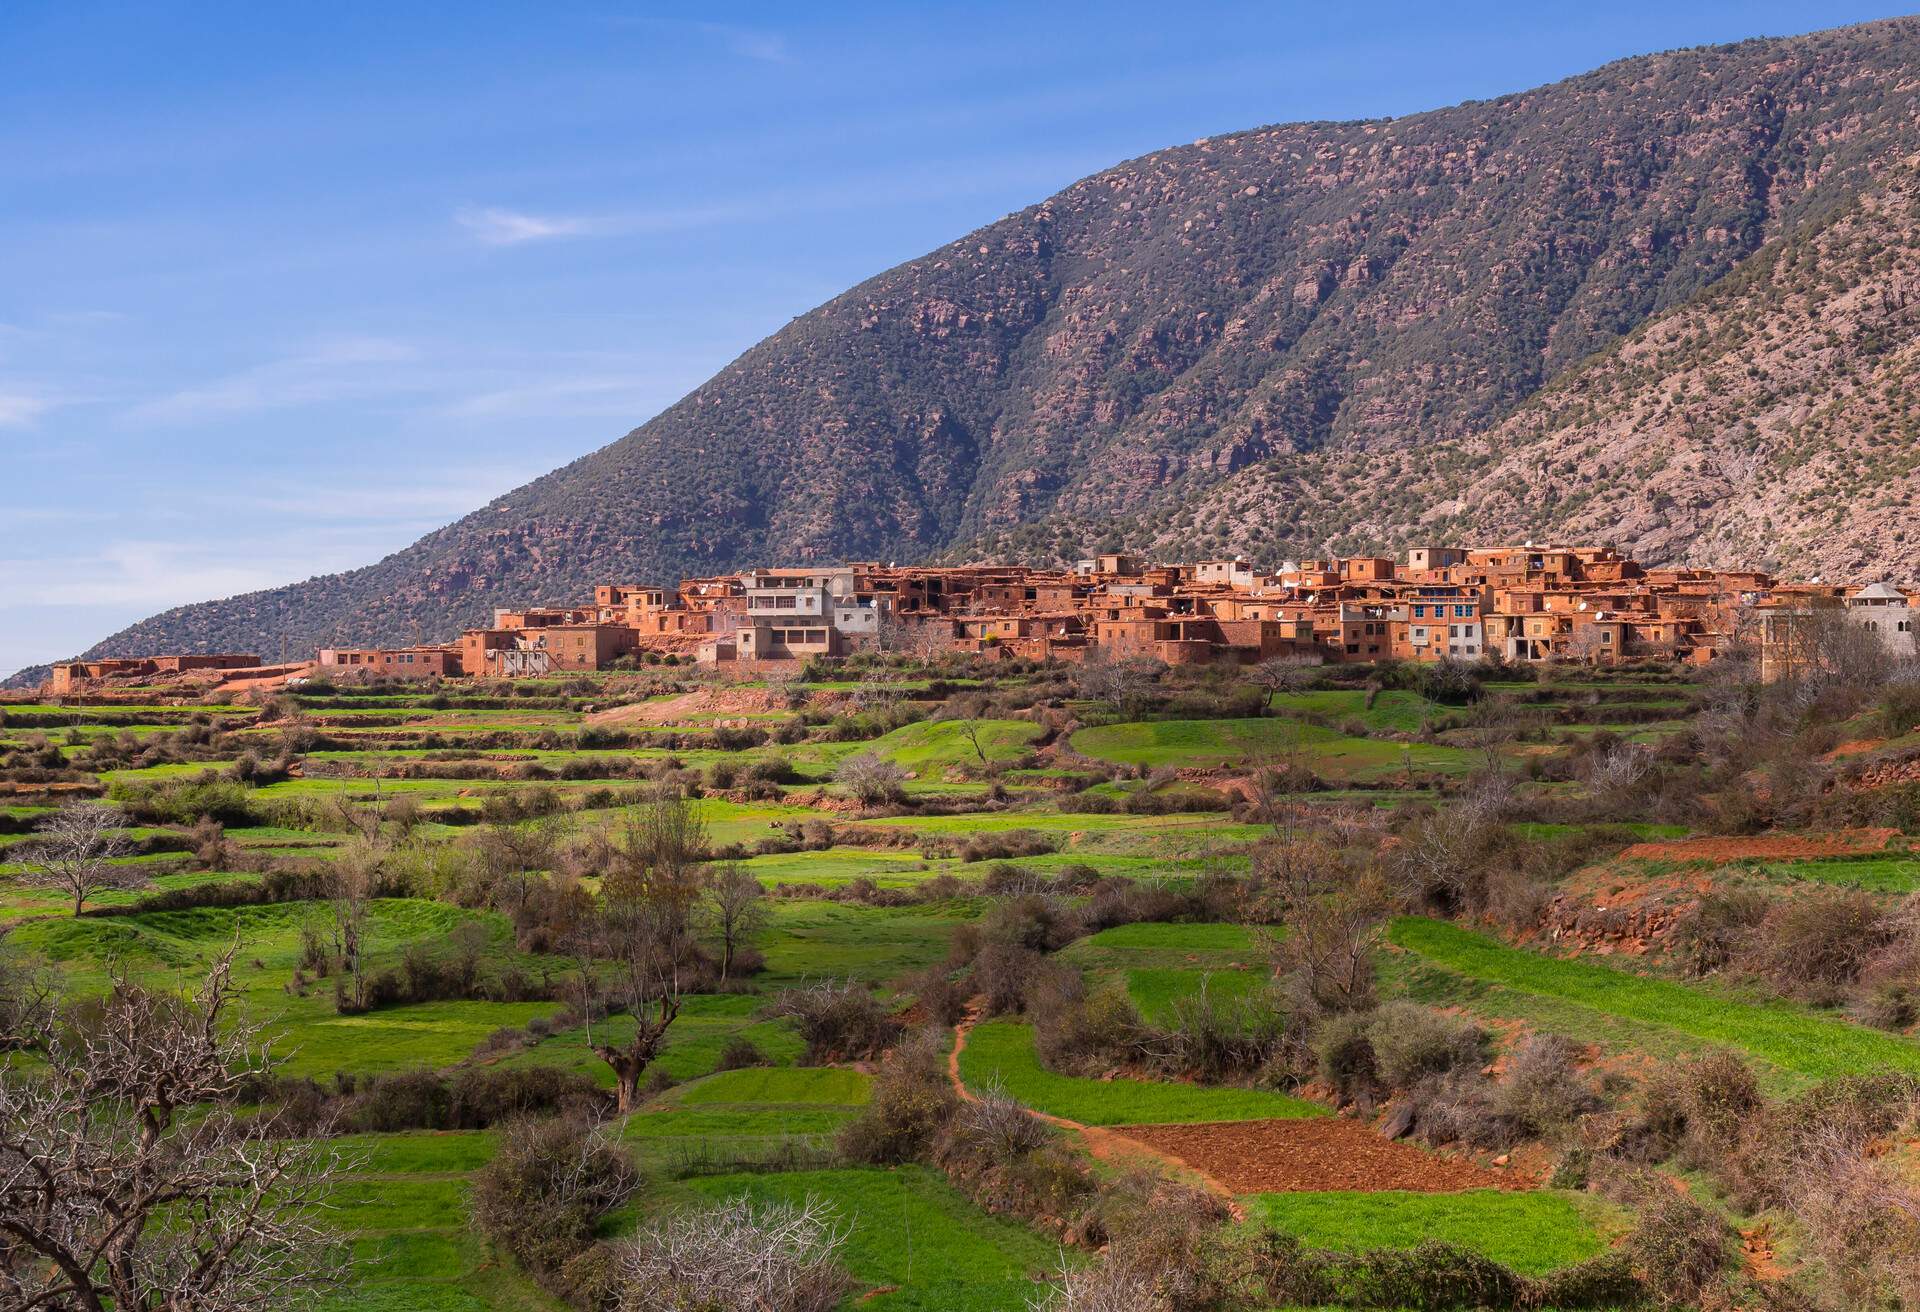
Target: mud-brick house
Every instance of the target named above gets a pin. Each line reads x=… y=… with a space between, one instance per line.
x=1437 y=622
x=68 y=674
x=391 y=662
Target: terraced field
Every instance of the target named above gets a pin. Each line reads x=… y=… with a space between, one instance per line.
x=489 y=830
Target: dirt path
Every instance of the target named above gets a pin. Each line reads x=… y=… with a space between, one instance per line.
x=1105 y=1145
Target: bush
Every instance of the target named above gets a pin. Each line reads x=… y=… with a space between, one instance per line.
x=1459 y=1107
x=874 y=780
x=1089 y=1036
x=1016 y=979
x=473 y=1098
x=1215 y=1038
x=740 y=1052
x=999 y=1127
x=913 y=1103
x=941 y=997
x=840 y=1021
x=1041 y=924
x=1543 y=1092
x=1719 y=928
x=737 y=1257
x=1106 y=1286
x=1345 y=1055
x=1817 y=943
x=1168 y=1235
x=1679 y=1247
x=547 y=1187
x=1900 y=708
x=1431 y=1275
x=1606 y=1281
x=1411 y=1042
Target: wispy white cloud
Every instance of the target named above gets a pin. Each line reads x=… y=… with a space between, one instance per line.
x=749 y=42
x=330 y=370
x=55 y=605
x=145 y=573
x=19 y=407
x=610 y=394
x=744 y=42
x=492 y=226
x=500 y=227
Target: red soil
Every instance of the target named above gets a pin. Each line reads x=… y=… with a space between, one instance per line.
x=1853 y=747
x=1765 y=847
x=1230 y=1158
x=705 y=703
x=1323 y=1152
x=1103 y=1144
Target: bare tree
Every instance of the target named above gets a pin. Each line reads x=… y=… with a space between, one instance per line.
x=654 y=1003
x=349 y=933
x=736 y=907
x=26 y=1004
x=1333 y=916
x=965 y=713
x=643 y=930
x=1279 y=674
x=513 y=854
x=75 y=854
x=662 y=845
x=355 y=818
x=1122 y=686
x=127 y=1181
x=926 y=640
x=1615 y=772
x=737 y=1257
x=871 y=778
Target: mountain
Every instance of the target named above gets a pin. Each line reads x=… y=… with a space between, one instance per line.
x=1664 y=303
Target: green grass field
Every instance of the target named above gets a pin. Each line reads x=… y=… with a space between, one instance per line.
x=1001 y=1053
x=1793 y=1039
x=1532 y=1232
x=1196 y=744
x=768 y=1130
x=403 y=1209
x=909 y=1233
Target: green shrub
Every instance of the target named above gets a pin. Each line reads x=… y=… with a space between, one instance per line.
x=1430 y=1276
x=739 y=1053
x=839 y=1020
x=912 y=1104
x=542 y=1195
x=1411 y=1042
x=1345 y=1054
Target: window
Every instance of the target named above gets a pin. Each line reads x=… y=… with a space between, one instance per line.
x=1353 y=649
x=1606 y=637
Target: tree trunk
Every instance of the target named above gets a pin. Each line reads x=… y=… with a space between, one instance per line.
x=627 y=1069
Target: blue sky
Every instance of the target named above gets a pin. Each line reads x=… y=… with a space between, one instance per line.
x=284 y=286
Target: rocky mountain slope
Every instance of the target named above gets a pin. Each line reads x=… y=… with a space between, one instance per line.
x=1664 y=303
